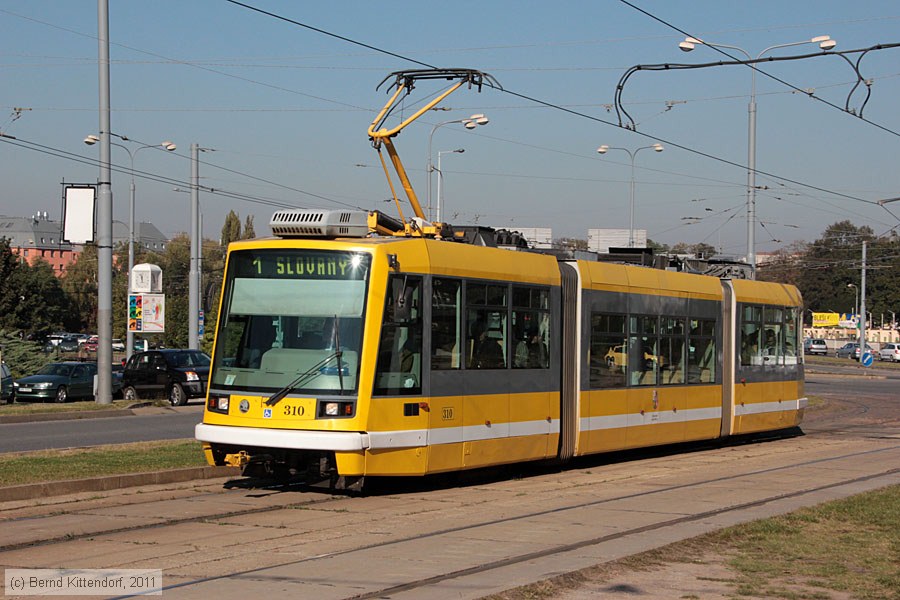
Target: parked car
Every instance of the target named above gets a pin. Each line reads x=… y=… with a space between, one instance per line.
x=118 y=345
x=90 y=345
x=68 y=344
x=58 y=382
x=890 y=352
x=815 y=346
x=179 y=374
x=851 y=350
x=6 y=384
x=118 y=370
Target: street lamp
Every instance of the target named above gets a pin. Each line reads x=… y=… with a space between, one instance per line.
x=856 y=301
x=657 y=147
x=470 y=123
x=169 y=147
x=825 y=43
x=440 y=205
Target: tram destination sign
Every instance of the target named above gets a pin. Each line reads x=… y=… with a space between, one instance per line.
x=299 y=264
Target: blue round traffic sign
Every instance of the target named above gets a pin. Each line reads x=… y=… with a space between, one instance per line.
x=867 y=359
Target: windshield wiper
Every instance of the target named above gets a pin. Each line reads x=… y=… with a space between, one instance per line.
x=339 y=352
x=312 y=372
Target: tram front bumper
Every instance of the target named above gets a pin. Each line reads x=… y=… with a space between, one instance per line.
x=337 y=441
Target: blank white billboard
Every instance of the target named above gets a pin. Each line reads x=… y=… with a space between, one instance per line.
x=78 y=215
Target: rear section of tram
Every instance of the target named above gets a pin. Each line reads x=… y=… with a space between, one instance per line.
x=675 y=357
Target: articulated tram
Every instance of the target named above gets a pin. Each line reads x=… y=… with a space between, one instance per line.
x=354 y=344
x=347 y=357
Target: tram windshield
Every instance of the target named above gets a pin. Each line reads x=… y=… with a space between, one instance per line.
x=287 y=313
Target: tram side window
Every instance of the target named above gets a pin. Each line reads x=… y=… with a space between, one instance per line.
x=399 y=367
x=671 y=355
x=643 y=350
x=791 y=328
x=609 y=349
x=486 y=315
x=752 y=341
x=702 y=351
x=446 y=323
x=773 y=340
x=531 y=327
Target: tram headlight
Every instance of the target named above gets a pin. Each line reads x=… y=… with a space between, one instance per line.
x=218 y=404
x=336 y=409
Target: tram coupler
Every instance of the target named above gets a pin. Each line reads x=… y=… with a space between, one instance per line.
x=239 y=459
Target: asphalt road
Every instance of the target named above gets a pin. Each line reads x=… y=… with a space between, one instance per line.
x=20 y=437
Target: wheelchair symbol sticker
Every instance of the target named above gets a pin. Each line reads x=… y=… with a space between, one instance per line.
x=267 y=413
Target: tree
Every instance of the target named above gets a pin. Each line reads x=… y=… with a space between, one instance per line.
x=831 y=263
x=9 y=297
x=175 y=264
x=80 y=285
x=699 y=250
x=249 y=231
x=823 y=269
x=23 y=357
x=43 y=305
x=786 y=266
x=572 y=243
x=32 y=299
x=231 y=230
x=213 y=267
x=657 y=247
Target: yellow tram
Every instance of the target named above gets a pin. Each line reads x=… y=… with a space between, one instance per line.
x=353 y=345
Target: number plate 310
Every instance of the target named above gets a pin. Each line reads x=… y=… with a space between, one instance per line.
x=295 y=409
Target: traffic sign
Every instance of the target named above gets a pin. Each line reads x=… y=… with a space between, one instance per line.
x=867 y=359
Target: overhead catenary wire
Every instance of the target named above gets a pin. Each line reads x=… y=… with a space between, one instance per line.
x=396 y=55
x=750 y=63
x=552 y=105
x=58 y=153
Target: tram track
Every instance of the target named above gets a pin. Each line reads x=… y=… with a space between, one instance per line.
x=319 y=502
x=563 y=548
x=471 y=527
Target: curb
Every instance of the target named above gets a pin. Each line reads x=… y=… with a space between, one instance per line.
x=110 y=482
x=846 y=375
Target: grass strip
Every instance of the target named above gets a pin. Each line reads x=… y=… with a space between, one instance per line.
x=849 y=546
x=61 y=465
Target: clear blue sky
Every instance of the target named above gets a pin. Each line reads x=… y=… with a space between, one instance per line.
x=290 y=107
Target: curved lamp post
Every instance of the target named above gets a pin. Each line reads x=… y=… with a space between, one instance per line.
x=169 y=147
x=825 y=43
x=657 y=147
x=469 y=123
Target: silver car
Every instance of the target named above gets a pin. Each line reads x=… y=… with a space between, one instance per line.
x=851 y=350
x=815 y=346
x=890 y=352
